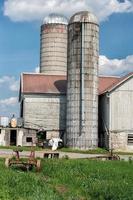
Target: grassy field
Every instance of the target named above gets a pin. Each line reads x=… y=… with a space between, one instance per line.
x=69 y=180
x=91 y=151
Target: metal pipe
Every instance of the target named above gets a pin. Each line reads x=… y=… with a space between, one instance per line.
x=82 y=98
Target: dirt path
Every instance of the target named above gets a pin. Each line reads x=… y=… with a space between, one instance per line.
x=40 y=154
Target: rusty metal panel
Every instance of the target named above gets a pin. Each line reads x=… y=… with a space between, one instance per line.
x=40 y=84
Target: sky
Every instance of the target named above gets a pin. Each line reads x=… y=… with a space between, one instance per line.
x=20 y=22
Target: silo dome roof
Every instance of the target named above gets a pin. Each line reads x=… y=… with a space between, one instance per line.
x=84 y=16
x=55 y=18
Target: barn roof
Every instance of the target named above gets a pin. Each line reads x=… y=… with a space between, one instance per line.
x=33 y=83
x=108 y=84
x=40 y=83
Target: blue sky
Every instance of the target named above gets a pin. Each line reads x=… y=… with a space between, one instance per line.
x=20 y=39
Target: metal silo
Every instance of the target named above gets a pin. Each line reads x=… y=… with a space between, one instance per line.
x=53 y=45
x=82 y=86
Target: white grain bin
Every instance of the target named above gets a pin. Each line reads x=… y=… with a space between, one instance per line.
x=20 y=122
x=4 y=121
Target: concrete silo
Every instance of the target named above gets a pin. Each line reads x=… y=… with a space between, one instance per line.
x=82 y=86
x=53 y=45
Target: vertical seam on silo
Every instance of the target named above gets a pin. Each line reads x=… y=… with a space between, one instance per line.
x=82 y=79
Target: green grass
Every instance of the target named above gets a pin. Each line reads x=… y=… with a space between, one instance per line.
x=22 y=148
x=69 y=180
x=91 y=151
x=124 y=153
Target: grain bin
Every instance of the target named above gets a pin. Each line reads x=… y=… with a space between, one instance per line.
x=53 y=45
x=82 y=86
x=4 y=121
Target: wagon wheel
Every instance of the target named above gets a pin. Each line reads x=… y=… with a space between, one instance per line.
x=38 y=165
x=116 y=157
x=7 y=162
x=28 y=167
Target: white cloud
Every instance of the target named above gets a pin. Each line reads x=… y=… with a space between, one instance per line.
x=115 y=66
x=5 y=79
x=14 y=86
x=9 y=101
x=10 y=81
x=26 y=10
x=37 y=69
x=9 y=106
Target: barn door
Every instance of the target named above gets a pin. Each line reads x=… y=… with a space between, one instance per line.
x=13 y=137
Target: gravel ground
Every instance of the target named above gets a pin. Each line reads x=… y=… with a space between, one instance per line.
x=40 y=154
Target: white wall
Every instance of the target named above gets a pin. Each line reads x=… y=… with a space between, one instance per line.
x=20 y=137
x=121 y=116
x=117 y=112
x=47 y=111
x=2 y=138
x=121 y=102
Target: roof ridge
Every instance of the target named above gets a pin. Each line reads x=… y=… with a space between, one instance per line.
x=117 y=83
x=107 y=76
x=41 y=74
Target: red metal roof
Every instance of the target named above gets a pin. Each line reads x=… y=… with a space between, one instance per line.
x=106 y=83
x=40 y=83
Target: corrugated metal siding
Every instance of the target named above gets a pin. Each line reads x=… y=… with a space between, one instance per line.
x=122 y=107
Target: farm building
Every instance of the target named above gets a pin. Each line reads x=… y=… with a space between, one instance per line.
x=13 y=133
x=116 y=112
x=17 y=136
x=43 y=105
x=62 y=100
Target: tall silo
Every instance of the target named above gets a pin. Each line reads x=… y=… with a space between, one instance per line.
x=82 y=86
x=53 y=45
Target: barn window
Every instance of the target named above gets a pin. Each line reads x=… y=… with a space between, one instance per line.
x=29 y=139
x=130 y=139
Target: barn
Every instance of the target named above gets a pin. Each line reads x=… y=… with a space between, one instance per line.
x=43 y=105
x=62 y=100
x=116 y=112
